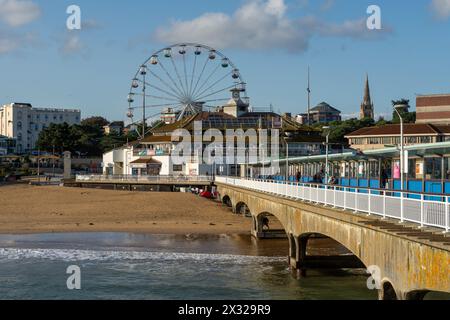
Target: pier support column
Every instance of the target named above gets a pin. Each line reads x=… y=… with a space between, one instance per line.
x=292 y=251
x=387 y=292
x=413 y=296
x=297 y=259
x=254 y=227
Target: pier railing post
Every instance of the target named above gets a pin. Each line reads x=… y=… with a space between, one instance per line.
x=422 y=212
x=402 y=207
x=334 y=194
x=345 y=198
x=447 y=218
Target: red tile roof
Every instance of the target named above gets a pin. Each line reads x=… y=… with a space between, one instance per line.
x=409 y=129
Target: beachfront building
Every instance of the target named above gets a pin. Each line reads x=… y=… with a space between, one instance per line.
x=23 y=122
x=153 y=154
x=428 y=168
x=433 y=109
x=322 y=113
x=379 y=137
x=169 y=115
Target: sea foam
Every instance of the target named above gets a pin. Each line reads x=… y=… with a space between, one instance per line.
x=93 y=255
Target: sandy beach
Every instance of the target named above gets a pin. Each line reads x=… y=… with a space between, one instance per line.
x=29 y=209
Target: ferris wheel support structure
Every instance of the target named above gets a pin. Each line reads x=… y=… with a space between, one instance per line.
x=182 y=83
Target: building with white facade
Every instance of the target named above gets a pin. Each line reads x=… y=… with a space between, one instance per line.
x=152 y=156
x=24 y=123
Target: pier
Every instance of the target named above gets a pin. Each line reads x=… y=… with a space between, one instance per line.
x=412 y=256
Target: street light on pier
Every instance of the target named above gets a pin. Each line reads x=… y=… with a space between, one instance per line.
x=402 y=158
x=327 y=143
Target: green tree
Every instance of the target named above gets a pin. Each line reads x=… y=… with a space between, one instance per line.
x=408 y=117
x=58 y=136
x=112 y=141
x=99 y=122
x=88 y=139
x=343 y=128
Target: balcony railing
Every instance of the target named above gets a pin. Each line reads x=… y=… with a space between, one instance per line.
x=142 y=179
x=424 y=209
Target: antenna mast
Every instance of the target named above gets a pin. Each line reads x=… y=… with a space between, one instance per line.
x=309 y=98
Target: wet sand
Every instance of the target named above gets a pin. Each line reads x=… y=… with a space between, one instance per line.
x=29 y=209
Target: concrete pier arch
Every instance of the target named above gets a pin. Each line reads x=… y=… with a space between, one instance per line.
x=267 y=226
x=408 y=265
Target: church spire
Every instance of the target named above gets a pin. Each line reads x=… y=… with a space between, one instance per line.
x=367 y=108
x=367 y=99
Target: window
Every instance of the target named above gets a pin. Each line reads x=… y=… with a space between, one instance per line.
x=19 y=125
x=374 y=169
x=412 y=168
x=425 y=140
x=19 y=115
x=447 y=168
x=433 y=168
x=177 y=168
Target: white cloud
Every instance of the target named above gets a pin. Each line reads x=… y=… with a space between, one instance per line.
x=441 y=8
x=72 y=44
x=327 y=5
x=259 y=24
x=16 y=13
x=10 y=42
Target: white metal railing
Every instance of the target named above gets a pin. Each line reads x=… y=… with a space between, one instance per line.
x=142 y=179
x=424 y=209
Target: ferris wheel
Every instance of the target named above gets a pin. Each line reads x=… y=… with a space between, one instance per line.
x=183 y=80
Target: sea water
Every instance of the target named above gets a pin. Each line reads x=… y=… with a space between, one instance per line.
x=140 y=266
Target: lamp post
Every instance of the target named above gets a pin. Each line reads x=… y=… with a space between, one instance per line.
x=143 y=71
x=287 y=158
x=402 y=160
x=39 y=166
x=327 y=143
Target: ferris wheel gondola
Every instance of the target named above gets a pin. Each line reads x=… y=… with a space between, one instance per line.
x=188 y=77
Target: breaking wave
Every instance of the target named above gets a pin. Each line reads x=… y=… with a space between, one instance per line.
x=91 y=255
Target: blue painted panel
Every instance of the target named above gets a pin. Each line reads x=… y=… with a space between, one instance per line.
x=364 y=183
x=396 y=186
x=447 y=188
x=353 y=183
x=415 y=186
x=375 y=184
x=345 y=182
x=433 y=187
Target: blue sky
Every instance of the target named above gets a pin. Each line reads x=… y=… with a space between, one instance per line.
x=271 y=41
